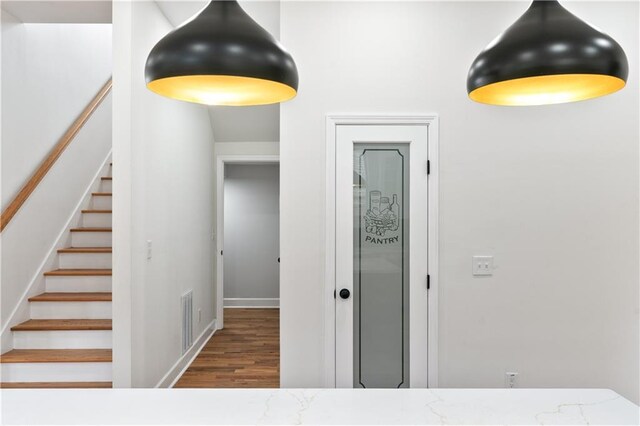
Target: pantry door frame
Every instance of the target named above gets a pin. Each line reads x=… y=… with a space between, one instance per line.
x=332 y=123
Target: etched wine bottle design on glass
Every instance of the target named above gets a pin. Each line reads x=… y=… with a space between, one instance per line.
x=395 y=209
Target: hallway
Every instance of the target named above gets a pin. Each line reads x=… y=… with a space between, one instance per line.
x=245 y=354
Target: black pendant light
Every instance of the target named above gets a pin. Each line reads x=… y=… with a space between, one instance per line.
x=222 y=57
x=548 y=56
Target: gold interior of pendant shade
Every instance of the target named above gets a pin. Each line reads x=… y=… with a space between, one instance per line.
x=222 y=90
x=548 y=89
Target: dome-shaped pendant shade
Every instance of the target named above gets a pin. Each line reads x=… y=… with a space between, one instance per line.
x=222 y=57
x=548 y=56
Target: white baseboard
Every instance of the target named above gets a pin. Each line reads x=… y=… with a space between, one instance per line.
x=245 y=302
x=178 y=369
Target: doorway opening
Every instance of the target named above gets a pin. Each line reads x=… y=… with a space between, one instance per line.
x=244 y=352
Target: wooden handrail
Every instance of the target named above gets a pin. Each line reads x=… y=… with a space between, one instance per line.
x=53 y=156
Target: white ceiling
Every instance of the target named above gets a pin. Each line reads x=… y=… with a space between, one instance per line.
x=60 y=12
x=178 y=11
x=237 y=124
x=265 y=12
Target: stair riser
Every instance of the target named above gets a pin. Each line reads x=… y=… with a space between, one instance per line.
x=54 y=284
x=91 y=239
x=70 y=310
x=106 y=185
x=85 y=260
x=96 y=220
x=101 y=202
x=55 y=385
x=62 y=339
x=57 y=372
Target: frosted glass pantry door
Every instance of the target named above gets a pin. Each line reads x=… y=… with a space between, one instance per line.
x=381 y=256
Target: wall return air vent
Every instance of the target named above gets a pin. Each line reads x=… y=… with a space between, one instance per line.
x=187 y=320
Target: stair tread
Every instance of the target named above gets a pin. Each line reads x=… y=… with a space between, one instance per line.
x=63 y=324
x=72 y=297
x=96 y=211
x=102 y=194
x=55 y=385
x=56 y=355
x=91 y=229
x=85 y=250
x=78 y=272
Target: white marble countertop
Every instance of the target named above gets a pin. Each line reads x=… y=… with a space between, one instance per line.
x=316 y=406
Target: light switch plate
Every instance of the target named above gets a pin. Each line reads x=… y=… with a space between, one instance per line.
x=482 y=265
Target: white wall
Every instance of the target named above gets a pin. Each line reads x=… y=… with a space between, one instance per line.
x=246 y=124
x=50 y=72
x=251 y=233
x=165 y=149
x=60 y=11
x=551 y=192
x=247 y=148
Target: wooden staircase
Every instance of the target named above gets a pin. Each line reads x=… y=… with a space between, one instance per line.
x=67 y=341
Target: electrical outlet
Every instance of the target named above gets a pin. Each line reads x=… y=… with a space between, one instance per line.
x=149 y=249
x=482 y=265
x=510 y=379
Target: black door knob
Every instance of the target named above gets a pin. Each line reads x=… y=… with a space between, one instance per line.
x=345 y=293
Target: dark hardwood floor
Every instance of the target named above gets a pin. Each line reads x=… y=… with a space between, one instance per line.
x=245 y=354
